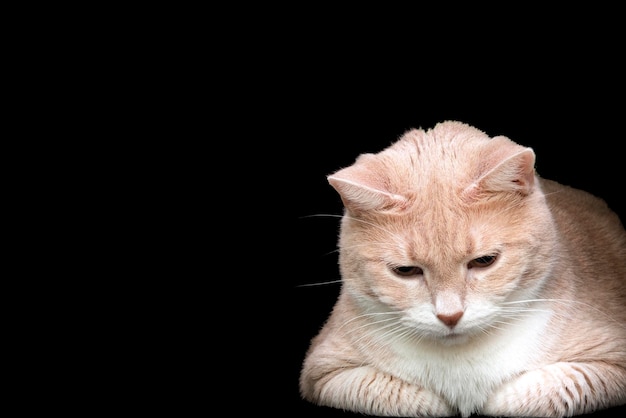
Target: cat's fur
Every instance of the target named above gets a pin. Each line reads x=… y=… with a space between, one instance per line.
x=541 y=331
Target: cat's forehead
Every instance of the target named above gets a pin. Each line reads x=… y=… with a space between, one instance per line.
x=443 y=154
x=451 y=165
x=446 y=139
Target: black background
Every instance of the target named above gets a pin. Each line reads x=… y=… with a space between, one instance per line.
x=303 y=91
x=576 y=133
x=306 y=91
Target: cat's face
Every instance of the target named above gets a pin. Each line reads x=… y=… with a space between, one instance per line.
x=453 y=255
x=432 y=266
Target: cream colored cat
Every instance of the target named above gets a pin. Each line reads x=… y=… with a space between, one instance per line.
x=470 y=285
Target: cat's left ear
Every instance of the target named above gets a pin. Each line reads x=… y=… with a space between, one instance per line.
x=504 y=167
x=362 y=188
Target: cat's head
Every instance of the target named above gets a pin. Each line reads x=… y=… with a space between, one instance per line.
x=445 y=227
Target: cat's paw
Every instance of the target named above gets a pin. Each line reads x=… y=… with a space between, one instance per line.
x=556 y=390
x=432 y=405
x=411 y=401
x=504 y=401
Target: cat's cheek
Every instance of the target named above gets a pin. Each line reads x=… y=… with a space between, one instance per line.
x=478 y=316
x=401 y=294
x=492 y=285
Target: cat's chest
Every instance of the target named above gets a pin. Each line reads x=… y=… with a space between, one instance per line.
x=469 y=372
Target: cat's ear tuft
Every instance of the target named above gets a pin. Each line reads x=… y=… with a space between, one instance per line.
x=504 y=167
x=362 y=189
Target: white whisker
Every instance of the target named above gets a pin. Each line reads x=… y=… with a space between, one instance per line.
x=320 y=283
x=566 y=302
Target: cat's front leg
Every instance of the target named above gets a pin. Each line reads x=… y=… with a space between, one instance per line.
x=366 y=390
x=560 y=389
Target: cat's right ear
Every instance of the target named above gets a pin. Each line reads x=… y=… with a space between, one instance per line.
x=362 y=189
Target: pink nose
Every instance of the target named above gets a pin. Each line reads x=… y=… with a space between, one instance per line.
x=450 y=320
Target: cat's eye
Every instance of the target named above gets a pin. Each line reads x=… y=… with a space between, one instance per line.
x=483 y=261
x=407 y=271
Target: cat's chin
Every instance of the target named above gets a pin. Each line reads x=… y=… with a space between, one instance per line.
x=453 y=338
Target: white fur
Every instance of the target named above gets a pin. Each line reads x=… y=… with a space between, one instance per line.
x=466 y=374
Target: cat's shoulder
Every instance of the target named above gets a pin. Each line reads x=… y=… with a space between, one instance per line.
x=567 y=203
x=561 y=194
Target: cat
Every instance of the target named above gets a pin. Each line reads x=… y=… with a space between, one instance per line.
x=470 y=285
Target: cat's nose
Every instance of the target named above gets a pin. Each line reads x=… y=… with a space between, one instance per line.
x=450 y=320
